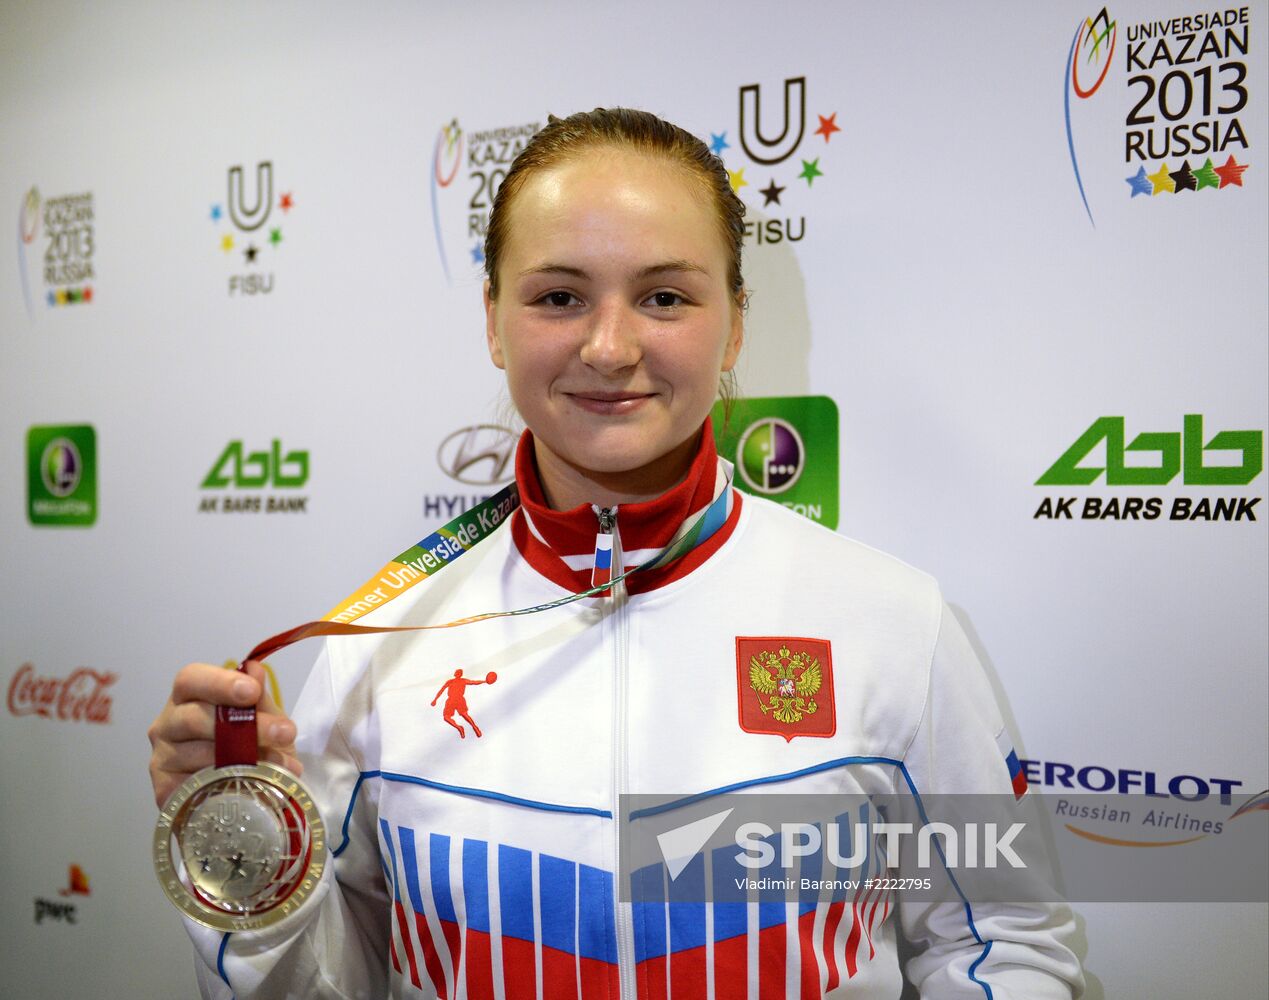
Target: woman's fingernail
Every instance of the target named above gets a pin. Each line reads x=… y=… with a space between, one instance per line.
x=243 y=688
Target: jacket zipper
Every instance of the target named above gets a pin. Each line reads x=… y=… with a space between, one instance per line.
x=621 y=665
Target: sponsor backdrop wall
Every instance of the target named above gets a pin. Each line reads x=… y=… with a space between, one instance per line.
x=1008 y=322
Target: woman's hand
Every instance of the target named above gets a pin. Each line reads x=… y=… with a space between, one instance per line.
x=182 y=737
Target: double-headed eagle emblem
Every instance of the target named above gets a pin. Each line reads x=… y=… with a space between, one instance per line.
x=789 y=682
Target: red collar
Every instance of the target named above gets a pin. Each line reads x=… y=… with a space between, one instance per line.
x=561 y=544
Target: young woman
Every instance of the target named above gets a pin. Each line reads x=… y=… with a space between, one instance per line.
x=474 y=849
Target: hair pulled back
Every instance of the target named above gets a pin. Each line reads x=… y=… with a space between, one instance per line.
x=622 y=128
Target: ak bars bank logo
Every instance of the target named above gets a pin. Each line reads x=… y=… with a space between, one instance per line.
x=249 y=227
x=1230 y=459
x=1184 y=104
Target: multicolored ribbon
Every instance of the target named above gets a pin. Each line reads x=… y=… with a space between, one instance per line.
x=236 y=727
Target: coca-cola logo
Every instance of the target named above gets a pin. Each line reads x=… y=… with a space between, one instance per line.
x=81 y=697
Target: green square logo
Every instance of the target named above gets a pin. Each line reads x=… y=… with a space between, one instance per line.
x=785 y=449
x=61 y=480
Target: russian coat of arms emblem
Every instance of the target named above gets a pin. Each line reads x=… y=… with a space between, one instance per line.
x=785 y=686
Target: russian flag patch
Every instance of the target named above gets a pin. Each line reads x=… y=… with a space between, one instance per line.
x=602 y=572
x=1017 y=776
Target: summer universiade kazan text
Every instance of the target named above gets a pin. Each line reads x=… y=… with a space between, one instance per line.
x=439 y=551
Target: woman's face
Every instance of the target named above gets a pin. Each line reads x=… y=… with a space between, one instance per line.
x=613 y=320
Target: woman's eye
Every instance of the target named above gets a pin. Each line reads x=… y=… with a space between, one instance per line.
x=559 y=300
x=666 y=300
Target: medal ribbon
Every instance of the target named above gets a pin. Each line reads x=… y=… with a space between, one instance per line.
x=236 y=727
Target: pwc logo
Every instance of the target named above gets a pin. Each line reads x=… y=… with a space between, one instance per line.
x=57 y=911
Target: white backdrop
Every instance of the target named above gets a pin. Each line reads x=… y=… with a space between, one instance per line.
x=968 y=309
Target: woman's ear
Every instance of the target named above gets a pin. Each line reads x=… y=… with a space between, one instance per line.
x=735 y=339
x=491 y=332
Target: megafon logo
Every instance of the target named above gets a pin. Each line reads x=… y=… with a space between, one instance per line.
x=249 y=226
x=771 y=456
x=62 y=475
x=784 y=448
x=771 y=143
x=1164 y=456
x=487 y=154
x=256 y=470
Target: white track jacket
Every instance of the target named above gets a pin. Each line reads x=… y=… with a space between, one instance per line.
x=482 y=864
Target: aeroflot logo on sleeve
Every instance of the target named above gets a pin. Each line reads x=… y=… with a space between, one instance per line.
x=1156 y=458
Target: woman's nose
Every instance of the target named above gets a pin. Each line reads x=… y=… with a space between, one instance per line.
x=612 y=340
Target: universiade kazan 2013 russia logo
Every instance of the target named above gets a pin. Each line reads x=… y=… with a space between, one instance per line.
x=460 y=215
x=1185 y=96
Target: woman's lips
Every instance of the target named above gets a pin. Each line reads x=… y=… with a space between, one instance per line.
x=609 y=403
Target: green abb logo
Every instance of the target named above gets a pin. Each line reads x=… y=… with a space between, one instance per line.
x=1182 y=452
x=257 y=469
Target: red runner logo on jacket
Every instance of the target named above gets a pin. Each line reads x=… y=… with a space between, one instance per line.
x=785 y=686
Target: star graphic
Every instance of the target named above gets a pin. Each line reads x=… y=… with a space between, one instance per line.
x=737 y=178
x=227 y=242
x=87 y=293
x=1140 y=183
x=72 y=295
x=1162 y=181
x=1184 y=178
x=250 y=253
x=1206 y=176
x=52 y=299
x=477 y=254
x=811 y=170
x=1232 y=172
x=285 y=202
x=61 y=296
x=215 y=213
x=275 y=236
x=828 y=126
x=771 y=193
x=718 y=142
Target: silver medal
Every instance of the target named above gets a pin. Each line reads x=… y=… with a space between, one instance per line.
x=240 y=848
